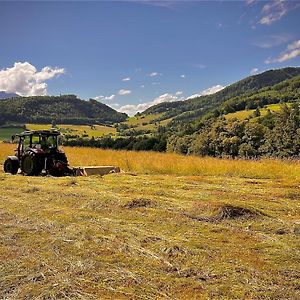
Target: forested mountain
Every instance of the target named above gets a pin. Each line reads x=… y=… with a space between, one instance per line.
x=59 y=109
x=4 y=95
x=273 y=134
x=197 y=107
x=277 y=134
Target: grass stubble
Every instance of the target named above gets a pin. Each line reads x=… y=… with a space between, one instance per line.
x=150 y=232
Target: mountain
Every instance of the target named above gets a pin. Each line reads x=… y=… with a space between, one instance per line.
x=4 y=95
x=285 y=91
x=66 y=109
x=198 y=107
x=262 y=123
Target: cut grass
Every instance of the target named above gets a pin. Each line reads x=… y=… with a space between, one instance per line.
x=131 y=237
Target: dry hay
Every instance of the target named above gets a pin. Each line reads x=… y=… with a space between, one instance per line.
x=228 y=212
x=140 y=202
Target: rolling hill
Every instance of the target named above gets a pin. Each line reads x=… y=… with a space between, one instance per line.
x=197 y=107
x=66 y=109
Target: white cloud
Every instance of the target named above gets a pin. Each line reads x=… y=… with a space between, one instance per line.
x=253 y=71
x=113 y=105
x=250 y=2
x=273 y=11
x=124 y=92
x=154 y=74
x=104 y=98
x=212 y=90
x=25 y=80
x=142 y=86
x=182 y=76
x=168 y=4
x=270 y=41
x=132 y=109
x=292 y=51
x=199 y=66
x=126 y=79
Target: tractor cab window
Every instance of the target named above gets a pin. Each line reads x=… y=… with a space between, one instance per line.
x=48 y=142
x=35 y=141
x=24 y=143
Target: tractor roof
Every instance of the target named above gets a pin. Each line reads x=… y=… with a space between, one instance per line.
x=39 y=132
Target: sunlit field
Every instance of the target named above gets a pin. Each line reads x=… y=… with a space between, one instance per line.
x=174 y=164
x=166 y=227
x=243 y=114
x=144 y=122
x=81 y=130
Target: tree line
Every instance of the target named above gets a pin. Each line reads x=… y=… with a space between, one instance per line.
x=273 y=135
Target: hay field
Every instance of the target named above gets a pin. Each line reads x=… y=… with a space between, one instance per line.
x=176 y=228
x=96 y=131
x=175 y=164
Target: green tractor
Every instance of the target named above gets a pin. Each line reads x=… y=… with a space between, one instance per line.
x=38 y=153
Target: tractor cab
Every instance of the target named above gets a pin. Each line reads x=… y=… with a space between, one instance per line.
x=40 y=141
x=38 y=150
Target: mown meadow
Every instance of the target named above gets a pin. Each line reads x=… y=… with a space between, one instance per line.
x=166 y=227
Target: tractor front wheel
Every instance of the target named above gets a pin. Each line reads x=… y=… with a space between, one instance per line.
x=11 y=166
x=31 y=165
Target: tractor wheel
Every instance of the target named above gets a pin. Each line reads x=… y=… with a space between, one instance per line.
x=11 y=166
x=31 y=165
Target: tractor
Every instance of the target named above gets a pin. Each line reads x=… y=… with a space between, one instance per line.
x=38 y=153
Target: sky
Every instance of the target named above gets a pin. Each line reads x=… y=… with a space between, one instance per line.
x=133 y=54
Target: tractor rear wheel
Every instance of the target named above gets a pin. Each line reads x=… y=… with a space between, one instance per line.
x=31 y=165
x=11 y=166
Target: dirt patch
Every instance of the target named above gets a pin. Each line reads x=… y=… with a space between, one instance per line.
x=32 y=190
x=253 y=182
x=135 y=203
x=228 y=212
x=151 y=239
x=174 y=251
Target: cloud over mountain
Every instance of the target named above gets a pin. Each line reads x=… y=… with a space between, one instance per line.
x=132 y=109
x=292 y=51
x=24 y=79
x=212 y=90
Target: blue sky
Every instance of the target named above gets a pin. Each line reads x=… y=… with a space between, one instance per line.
x=131 y=54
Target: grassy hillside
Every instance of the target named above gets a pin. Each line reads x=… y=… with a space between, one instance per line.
x=65 y=109
x=80 y=130
x=247 y=113
x=145 y=122
x=138 y=236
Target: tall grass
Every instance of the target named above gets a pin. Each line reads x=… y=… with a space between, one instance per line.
x=174 y=164
x=171 y=163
